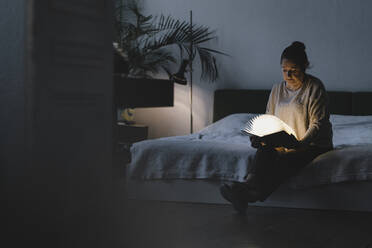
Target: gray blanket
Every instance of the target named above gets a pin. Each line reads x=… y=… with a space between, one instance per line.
x=222 y=152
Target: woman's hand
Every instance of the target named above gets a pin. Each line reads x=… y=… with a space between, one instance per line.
x=296 y=146
x=255 y=141
x=291 y=142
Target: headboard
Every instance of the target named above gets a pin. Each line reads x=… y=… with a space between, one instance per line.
x=230 y=101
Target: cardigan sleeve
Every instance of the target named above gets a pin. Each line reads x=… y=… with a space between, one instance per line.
x=318 y=113
x=270 y=106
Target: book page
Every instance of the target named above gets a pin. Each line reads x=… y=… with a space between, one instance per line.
x=265 y=124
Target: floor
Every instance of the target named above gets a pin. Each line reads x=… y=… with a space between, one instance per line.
x=177 y=225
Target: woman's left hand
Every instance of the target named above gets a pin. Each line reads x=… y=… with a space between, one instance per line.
x=292 y=142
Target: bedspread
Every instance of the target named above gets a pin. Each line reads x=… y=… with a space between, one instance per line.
x=222 y=152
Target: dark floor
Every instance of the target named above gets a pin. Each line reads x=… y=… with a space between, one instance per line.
x=178 y=225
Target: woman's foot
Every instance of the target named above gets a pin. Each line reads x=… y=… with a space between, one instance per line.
x=236 y=199
x=249 y=194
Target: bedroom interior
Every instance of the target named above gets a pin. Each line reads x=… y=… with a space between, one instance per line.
x=193 y=157
x=67 y=183
x=336 y=36
x=254 y=76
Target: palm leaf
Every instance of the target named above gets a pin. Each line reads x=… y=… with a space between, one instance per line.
x=147 y=41
x=208 y=64
x=214 y=51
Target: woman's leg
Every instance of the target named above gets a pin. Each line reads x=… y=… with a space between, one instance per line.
x=268 y=171
x=272 y=168
x=260 y=174
x=238 y=193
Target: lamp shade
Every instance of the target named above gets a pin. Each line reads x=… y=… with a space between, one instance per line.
x=143 y=92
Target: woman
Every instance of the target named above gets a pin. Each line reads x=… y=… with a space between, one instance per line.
x=301 y=101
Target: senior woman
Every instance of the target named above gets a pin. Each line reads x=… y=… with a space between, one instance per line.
x=301 y=101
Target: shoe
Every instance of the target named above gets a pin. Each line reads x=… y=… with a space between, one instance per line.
x=238 y=202
x=251 y=195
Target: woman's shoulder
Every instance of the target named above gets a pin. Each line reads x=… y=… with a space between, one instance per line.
x=314 y=81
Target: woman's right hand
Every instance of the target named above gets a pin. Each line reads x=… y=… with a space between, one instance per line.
x=255 y=141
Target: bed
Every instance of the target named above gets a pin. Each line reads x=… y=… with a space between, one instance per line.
x=190 y=168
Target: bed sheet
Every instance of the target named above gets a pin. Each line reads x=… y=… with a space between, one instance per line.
x=222 y=152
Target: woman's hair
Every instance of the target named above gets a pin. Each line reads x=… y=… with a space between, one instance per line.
x=296 y=53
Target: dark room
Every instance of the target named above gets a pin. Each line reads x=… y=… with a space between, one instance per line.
x=174 y=123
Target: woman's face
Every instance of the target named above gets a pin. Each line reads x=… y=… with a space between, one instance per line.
x=292 y=73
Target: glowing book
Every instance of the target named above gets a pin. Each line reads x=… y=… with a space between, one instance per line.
x=271 y=130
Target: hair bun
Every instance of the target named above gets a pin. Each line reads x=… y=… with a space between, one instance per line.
x=298 y=45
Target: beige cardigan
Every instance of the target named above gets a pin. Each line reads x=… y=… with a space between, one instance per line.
x=305 y=110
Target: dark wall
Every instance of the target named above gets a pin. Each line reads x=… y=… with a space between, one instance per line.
x=12 y=65
x=12 y=117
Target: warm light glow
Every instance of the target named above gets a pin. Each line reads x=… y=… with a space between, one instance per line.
x=262 y=125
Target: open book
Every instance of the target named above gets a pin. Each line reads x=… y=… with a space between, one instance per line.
x=271 y=130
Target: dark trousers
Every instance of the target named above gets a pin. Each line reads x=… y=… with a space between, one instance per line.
x=271 y=168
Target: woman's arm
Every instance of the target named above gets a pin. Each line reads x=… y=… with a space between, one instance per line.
x=270 y=106
x=318 y=113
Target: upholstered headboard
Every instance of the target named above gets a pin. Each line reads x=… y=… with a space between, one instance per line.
x=230 y=101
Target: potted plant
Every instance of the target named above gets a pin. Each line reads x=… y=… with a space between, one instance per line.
x=145 y=45
x=146 y=42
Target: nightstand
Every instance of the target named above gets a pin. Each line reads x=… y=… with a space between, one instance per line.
x=125 y=136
